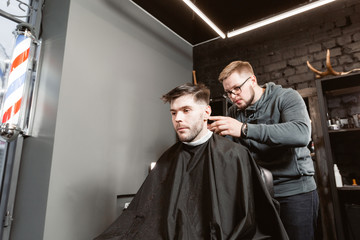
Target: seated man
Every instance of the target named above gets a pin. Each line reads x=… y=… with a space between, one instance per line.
x=203 y=187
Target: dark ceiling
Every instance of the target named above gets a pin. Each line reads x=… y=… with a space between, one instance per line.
x=228 y=15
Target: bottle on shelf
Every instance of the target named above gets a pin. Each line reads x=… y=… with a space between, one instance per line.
x=354 y=182
x=338 y=178
x=328 y=119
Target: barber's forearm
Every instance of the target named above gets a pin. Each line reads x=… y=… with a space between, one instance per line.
x=294 y=134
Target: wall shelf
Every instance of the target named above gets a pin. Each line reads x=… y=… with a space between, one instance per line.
x=344 y=130
x=349 y=188
x=343 y=91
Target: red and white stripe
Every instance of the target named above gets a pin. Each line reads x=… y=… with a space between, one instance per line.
x=16 y=81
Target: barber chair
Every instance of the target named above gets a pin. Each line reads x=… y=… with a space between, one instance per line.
x=268 y=179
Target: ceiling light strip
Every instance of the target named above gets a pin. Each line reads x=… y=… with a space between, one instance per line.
x=279 y=17
x=206 y=19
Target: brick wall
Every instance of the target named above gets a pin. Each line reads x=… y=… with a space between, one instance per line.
x=343 y=106
x=279 y=52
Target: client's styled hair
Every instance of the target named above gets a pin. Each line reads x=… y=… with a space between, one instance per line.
x=200 y=92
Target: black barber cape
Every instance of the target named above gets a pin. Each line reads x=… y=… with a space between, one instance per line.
x=210 y=191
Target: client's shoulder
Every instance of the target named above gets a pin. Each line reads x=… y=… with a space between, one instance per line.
x=226 y=144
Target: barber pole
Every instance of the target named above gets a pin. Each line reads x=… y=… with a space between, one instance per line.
x=16 y=80
x=17 y=98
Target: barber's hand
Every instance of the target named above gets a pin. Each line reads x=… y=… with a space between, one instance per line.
x=225 y=126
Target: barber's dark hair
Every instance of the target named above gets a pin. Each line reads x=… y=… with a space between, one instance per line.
x=200 y=92
x=236 y=66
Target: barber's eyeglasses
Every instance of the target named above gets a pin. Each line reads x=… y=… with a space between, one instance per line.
x=236 y=90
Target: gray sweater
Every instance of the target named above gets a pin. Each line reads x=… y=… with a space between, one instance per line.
x=279 y=131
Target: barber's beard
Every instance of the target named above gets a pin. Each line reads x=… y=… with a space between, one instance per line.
x=248 y=102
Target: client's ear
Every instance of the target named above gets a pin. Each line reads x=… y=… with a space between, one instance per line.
x=207 y=112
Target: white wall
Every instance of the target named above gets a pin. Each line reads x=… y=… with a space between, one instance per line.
x=110 y=121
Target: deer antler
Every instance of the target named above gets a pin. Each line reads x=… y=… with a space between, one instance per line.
x=194 y=76
x=329 y=68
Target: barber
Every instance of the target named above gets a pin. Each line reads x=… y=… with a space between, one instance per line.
x=274 y=124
